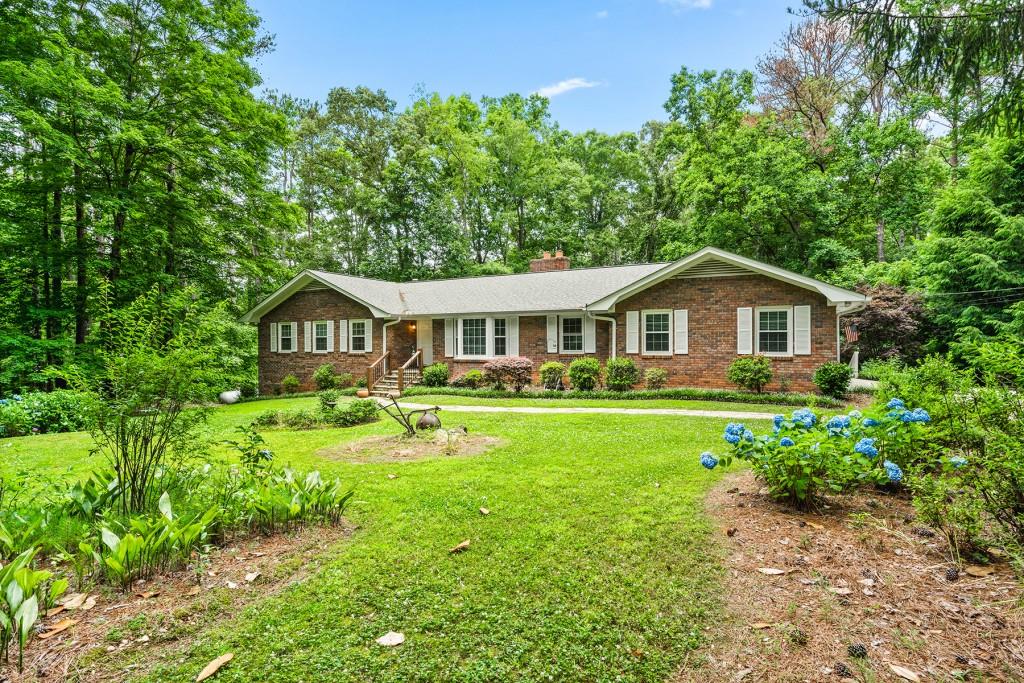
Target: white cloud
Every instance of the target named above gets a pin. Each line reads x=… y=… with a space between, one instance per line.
x=603 y=14
x=565 y=86
x=680 y=5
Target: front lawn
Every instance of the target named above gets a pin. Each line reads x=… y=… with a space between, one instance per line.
x=434 y=399
x=595 y=563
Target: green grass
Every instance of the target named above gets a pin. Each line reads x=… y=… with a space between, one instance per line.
x=433 y=399
x=596 y=563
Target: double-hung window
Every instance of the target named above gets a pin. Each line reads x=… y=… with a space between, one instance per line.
x=657 y=335
x=500 y=337
x=285 y=337
x=320 y=336
x=774 y=331
x=572 y=335
x=474 y=337
x=357 y=336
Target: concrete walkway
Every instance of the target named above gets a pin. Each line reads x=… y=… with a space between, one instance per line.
x=538 y=410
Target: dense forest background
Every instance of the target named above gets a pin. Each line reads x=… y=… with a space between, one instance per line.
x=137 y=152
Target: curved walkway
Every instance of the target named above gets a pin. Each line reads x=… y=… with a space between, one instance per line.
x=539 y=410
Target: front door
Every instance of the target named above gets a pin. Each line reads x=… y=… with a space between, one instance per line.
x=425 y=339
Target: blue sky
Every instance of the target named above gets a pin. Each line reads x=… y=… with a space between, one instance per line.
x=606 y=64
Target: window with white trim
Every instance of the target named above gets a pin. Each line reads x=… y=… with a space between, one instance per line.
x=285 y=337
x=774 y=331
x=657 y=337
x=500 y=337
x=572 y=335
x=320 y=336
x=474 y=337
x=357 y=335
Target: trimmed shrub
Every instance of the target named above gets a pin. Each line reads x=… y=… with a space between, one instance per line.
x=584 y=374
x=357 y=412
x=833 y=379
x=551 y=374
x=325 y=378
x=435 y=375
x=655 y=378
x=290 y=384
x=514 y=372
x=471 y=379
x=344 y=380
x=620 y=374
x=328 y=399
x=751 y=373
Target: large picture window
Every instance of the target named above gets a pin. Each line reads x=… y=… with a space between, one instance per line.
x=474 y=336
x=657 y=338
x=572 y=335
x=357 y=335
x=286 y=337
x=773 y=331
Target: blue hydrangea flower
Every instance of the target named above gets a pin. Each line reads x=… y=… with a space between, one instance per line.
x=708 y=460
x=893 y=471
x=920 y=415
x=855 y=414
x=866 y=446
x=734 y=431
x=805 y=417
x=786 y=441
x=748 y=435
x=871 y=422
x=957 y=461
x=896 y=404
x=732 y=438
x=907 y=417
x=837 y=423
x=778 y=420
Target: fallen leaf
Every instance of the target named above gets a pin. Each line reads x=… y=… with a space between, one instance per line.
x=813 y=525
x=232 y=584
x=214 y=666
x=75 y=600
x=62 y=625
x=54 y=611
x=148 y=594
x=978 y=570
x=89 y=603
x=194 y=590
x=252 y=576
x=760 y=625
x=143 y=639
x=391 y=639
x=460 y=547
x=866 y=582
x=904 y=672
x=841 y=591
x=392 y=476
x=484 y=511
x=770 y=571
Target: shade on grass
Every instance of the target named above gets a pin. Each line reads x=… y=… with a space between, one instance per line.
x=596 y=562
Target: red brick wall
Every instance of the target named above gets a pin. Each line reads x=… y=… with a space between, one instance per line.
x=316 y=305
x=712 y=304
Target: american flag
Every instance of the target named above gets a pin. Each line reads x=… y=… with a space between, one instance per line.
x=850 y=332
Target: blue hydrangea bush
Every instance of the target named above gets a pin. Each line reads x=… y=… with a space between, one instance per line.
x=807 y=454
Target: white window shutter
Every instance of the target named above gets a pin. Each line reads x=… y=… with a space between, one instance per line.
x=589 y=335
x=552 y=334
x=273 y=337
x=369 y=334
x=802 y=330
x=489 y=338
x=295 y=337
x=682 y=331
x=307 y=336
x=632 y=331
x=449 y=337
x=330 y=336
x=744 y=331
x=343 y=336
x=512 y=330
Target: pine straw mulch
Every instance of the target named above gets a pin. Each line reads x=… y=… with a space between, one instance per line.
x=121 y=634
x=860 y=571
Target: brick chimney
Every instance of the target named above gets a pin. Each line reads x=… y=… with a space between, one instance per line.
x=548 y=262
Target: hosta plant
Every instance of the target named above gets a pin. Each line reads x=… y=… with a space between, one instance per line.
x=25 y=593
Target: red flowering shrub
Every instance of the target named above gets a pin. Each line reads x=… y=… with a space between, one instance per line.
x=514 y=372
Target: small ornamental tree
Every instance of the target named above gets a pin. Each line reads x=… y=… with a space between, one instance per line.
x=620 y=374
x=514 y=372
x=584 y=374
x=752 y=373
x=551 y=374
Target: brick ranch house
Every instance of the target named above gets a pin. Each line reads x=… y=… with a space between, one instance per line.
x=692 y=317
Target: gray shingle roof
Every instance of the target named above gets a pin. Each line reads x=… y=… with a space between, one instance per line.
x=560 y=290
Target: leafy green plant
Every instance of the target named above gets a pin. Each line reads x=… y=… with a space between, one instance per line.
x=551 y=374
x=344 y=380
x=655 y=378
x=328 y=399
x=584 y=374
x=833 y=378
x=290 y=384
x=93 y=495
x=288 y=497
x=253 y=452
x=14 y=418
x=621 y=374
x=24 y=595
x=324 y=377
x=471 y=379
x=435 y=375
x=356 y=412
x=752 y=373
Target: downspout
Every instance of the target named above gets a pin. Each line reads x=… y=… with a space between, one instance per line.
x=384 y=335
x=612 y=340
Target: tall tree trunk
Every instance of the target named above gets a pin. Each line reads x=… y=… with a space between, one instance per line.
x=120 y=218
x=81 y=261
x=880 y=238
x=170 y=265
x=53 y=321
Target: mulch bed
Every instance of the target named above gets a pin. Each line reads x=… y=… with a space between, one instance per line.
x=859 y=572
x=167 y=611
